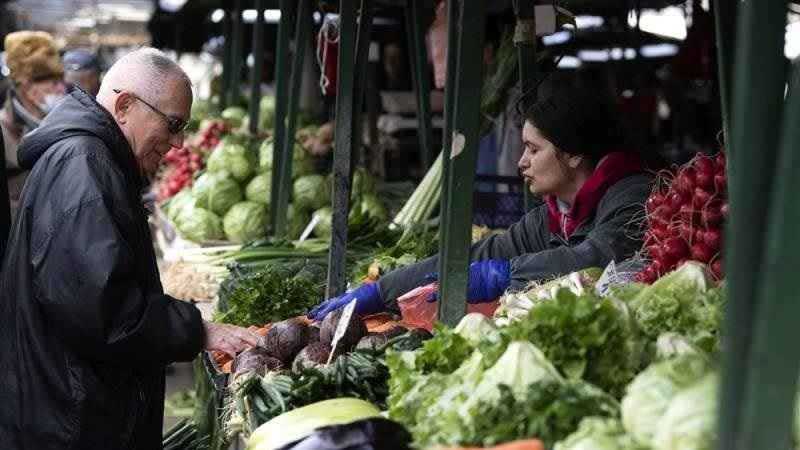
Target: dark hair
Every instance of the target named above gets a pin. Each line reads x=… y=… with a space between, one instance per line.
x=579 y=122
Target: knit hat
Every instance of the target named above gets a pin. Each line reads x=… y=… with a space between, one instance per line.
x=80 y=59
x=32 y=56
x=579 y=122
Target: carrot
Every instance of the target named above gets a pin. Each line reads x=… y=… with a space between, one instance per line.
x=526 y=444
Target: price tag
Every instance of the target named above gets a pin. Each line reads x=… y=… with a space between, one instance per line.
x=341 y=327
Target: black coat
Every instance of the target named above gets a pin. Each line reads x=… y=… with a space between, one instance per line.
x=85 y=327
x=612 y=233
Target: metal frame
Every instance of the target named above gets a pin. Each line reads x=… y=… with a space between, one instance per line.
x=237 y=39
x=760 y=364
x=461 y=157
x=342 y=153
x=258 y=67
x=284 y=167
x=416 y=18
x=281 y=182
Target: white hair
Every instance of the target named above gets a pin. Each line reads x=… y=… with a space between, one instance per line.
x=143 y=72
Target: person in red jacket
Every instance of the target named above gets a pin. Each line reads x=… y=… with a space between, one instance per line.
x=594 y=190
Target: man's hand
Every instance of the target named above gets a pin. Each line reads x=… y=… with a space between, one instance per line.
x=228 y=338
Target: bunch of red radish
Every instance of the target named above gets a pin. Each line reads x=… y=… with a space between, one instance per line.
x=181 y=165
x=210 y=133
x=685 y=215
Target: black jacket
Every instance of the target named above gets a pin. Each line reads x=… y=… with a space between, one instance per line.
x=86 y=329
x=612 y=233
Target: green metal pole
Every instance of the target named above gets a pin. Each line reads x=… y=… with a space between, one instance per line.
x=288 y=10
x=227 y=32
x=725 y=20
x=302 y=30
x=758 y=88
x=258 y=67
x=363 y=42
x=453 y=12
x=456 y=237
x=769 y=402
x=415 y=28
x=236 y=54
x=344 y=139
x=525 y=41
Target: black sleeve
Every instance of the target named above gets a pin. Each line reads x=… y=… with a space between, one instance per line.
x=87 y=287
x=616 y=236
x=525 y=236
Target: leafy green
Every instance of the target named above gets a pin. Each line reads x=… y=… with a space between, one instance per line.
x=198 y=224
x=259 y=188
x=311 y=192
x=599 y=433
x=585 y=337
x=690 y=420
x=302 y=162
x=271 y=294
x=234 y=115
x=651 y=392
x=549 y=411
x=233 y=158
x=245 y=221
x=681 y=302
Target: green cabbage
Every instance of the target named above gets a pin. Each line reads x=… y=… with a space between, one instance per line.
x=324 y=227
x=217 y=192
x=302 y=162
x=690 y=420
x=266 y=115
x=311 y=192
x=260 y=188
x=598 y=433
x=651 y=392
x=245 y=222
x=175 y=205
x=233 y=158
x=199 y=225
x=234 y=115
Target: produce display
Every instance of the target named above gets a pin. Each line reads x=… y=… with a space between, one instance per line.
x=575 y=363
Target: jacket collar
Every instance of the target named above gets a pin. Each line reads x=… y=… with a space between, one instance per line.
x=612 y=168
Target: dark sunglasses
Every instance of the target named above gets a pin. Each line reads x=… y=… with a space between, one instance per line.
x=174 y=124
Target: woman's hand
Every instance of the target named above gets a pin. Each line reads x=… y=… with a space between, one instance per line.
x=368 y=301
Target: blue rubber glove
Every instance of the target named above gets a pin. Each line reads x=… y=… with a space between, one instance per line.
x=488 y=280
x=368 y=301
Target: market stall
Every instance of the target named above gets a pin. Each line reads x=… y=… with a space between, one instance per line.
x=637 y=355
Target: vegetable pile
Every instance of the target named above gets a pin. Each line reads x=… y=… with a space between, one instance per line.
x=558 y=373
x=685 y=215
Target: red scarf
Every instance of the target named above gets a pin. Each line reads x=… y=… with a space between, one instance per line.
x=612 y=168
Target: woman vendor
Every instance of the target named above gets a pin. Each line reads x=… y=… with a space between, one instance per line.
x=594 y=191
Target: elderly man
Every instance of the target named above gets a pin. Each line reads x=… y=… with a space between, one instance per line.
x=82 y=69
x=86 y=327
x=36 y=75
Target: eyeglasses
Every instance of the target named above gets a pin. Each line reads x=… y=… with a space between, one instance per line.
x=174 y=124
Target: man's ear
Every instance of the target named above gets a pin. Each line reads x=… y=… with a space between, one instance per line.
x=575 y=161
x=122 y=106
